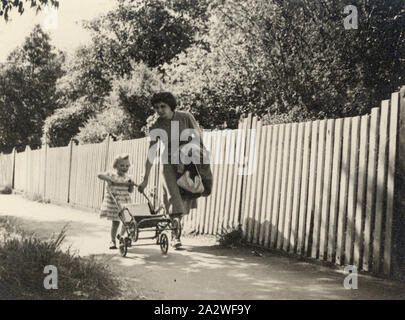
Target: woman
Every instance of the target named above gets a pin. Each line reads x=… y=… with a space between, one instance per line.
x=172 y=123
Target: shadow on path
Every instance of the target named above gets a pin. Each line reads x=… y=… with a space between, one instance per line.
x=201 y=271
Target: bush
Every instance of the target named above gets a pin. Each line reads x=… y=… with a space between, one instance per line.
x=230 y=238
x=6 y=190
x=112 y=120
x=64 y=124
x=22 y=261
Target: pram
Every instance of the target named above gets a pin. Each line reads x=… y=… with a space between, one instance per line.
x=137 y=218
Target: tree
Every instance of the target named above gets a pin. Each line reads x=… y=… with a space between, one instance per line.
x=145 y=31
x=128 y=42
x=127 y=109
x=27 y=90
x=291 y=60
x=8 y=5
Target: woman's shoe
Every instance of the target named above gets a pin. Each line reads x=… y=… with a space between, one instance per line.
x=176 y=244
x=113 y=245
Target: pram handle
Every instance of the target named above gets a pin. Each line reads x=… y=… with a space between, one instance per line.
x=124 y=183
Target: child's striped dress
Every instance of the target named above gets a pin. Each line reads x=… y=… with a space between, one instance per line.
x=109 y=209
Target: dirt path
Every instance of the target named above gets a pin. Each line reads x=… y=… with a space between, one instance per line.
x=200 y=271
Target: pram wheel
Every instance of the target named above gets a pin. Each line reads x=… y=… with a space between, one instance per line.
x=164 y=243
x=128 y=242
x=133 y=230
x=123 y=247
x=176 y=228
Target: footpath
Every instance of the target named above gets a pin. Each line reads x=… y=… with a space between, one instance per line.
x=201 y=270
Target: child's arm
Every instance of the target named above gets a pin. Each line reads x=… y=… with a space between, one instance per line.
x=105 y=177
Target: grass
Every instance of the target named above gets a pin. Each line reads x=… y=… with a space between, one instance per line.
x=36 y=197
x=5 y=190
x=230 y=238
x=23 y=258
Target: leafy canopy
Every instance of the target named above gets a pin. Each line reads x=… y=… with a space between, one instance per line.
x=7 y=5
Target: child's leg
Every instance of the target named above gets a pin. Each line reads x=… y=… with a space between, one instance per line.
x=114 y=229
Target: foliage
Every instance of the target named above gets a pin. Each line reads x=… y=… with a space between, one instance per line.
x=5 y=190
x=230 y=237
x=111 y=120
x=8 y=5
x=283 y=61
x=65 y=123
x=291 y=60
x=143 y=31
x=28 y=91
x=23 y=258
x=127 y=108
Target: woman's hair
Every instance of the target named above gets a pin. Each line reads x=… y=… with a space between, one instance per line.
x=165 y=97
x=119 y=158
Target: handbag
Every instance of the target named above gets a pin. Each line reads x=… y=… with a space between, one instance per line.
x=189 y=184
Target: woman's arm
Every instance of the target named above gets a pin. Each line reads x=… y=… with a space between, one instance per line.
x=194 y=124
x=148 y=166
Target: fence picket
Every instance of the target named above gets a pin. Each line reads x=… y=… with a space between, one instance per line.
x=203 y=212
x=284 y=180
x=371 y=185
x=245 y=161
x=326 y=195
x=318 y=189
x=351 y=205
x=248 y=176
x=290 y=187
x=343 y=189
x=238 y=178
x=267 y=186
x=334 y=201
x=276 y=202
x=221 y=183
x=304 y=188
x=296 y=190
x=259 y=212
x=361 y=192
x=392 y=150
x=254 y=176
x=311 y=187
x=230 y=165
x=381 y=186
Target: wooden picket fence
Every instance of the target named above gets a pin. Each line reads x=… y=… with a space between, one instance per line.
x=322 y=189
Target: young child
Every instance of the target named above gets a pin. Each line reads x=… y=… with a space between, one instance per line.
x=121 y=186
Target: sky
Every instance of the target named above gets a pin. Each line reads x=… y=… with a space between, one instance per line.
x=63 y=25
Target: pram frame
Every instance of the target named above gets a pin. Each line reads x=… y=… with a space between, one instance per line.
x=161 y=224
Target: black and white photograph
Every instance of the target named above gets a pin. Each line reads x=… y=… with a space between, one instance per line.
x=213 y=152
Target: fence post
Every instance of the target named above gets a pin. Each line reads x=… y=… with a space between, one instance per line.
x=45 y=151
x=107 y=141
x=244 y=155
x=71 y=144
x=27 y=161
x=398 y=219
x=13 y=167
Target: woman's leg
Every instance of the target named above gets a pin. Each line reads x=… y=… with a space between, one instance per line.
x=171 y=194
x=179 y=216
x=114 y=229
x=123 y=230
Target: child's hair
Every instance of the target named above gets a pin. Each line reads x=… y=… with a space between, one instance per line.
x=120 y=157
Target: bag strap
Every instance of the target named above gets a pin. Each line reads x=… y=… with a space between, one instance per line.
x=196 y=169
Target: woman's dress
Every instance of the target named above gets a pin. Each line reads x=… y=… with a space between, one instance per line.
x=175 y=200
